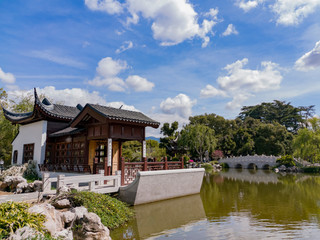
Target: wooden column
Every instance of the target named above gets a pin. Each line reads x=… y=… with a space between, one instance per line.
x=145 y=164
x=165 y=163
x=182 y=163
x=122 y=170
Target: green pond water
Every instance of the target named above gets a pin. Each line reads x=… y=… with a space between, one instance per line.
x=236 y=204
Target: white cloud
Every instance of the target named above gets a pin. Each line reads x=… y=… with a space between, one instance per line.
x=173 y=21
x=180 y=104
x=127 y=45
x=70 y=97
x=292 y=12
x=241 y=83
x=248 y=5
x=139 y=84
x=108 y=6
x=107 y=75
x=8 y=78
x=231 y=29
x=211 y=91
x=52 y=56
x=213 y=13
x=288 y=12
x=310 y=60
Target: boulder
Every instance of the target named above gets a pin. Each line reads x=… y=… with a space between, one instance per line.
x=63 y=189
x=14 y=171
x=68 y=217
x=53 y=221
x=63 y=203
x=79 y=212
x=26 y=233
x=22 y=187
x=65 y=234
x=12 y=182
x=90 y=228
x=282 y=168
x=37 y=185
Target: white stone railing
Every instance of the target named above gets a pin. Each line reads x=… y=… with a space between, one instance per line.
x=93 y=182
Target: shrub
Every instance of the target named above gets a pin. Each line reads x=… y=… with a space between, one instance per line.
x=224 y=165
x=31 y=173
x=311 y=169
x=15 y=215
x=207 y=166
x=286 y=160
x=113 y=213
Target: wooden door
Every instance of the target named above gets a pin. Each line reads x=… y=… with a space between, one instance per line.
x=115 y=157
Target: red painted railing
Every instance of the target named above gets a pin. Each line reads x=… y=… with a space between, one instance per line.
x=65 y=168
x=129 y=170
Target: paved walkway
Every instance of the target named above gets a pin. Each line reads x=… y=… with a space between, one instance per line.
x=28 y=197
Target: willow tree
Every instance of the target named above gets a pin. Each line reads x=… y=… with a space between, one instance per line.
x=198 y=139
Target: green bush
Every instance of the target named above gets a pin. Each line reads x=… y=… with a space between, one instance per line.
x=207 y=166
x=224 y=165
x=113 y=213
x=286 y=160
x=15 y=215
x=311 y=169
x=31 y=173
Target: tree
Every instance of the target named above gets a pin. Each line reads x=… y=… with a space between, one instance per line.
x=306 y=143
x=154 y=150
x=278 y=111
x=198 y=138
x=169 y=141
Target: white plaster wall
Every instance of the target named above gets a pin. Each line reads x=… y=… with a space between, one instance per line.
x=31 y=133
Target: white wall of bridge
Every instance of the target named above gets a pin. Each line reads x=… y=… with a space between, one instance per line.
x=245 y=161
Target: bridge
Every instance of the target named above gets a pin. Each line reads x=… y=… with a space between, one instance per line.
x=250 y=162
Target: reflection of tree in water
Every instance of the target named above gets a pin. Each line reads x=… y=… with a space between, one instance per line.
x=294 y=199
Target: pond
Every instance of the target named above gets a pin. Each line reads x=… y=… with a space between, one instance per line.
x=236 y=204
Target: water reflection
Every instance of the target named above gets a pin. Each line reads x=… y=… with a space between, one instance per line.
x=234 y=204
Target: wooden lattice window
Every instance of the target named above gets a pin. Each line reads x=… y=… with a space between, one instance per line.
x=28 y=150
x=70 y=153
x=15 y=157
x=101 y=151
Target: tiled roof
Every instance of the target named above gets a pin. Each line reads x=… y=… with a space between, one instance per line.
x=124 y=115
x=66 y=131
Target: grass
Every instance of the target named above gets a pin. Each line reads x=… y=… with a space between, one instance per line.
x=113 y=213
x=15 y=215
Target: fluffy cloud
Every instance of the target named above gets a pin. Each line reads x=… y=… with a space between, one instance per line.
x=248 y=5
x=127 y=45
x=7 y=77
x=107 y=72
x=288 y=12
x=108 y=6
x=107 y=75
x=292 y=12
x=210 y=91
x=139 y=84
x=241 y=83
x=231 y=29
x=173 y=21
x=70 y=96
x=310 y=60
x=180 y=104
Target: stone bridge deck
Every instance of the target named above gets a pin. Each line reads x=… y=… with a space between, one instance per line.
x=256 y=161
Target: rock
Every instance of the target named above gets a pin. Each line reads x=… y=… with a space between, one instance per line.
x=53 y=221
x=14 y=171
x=21 y=187
x=79 y=212
x=91 y=228
x=37 y=185
x=63 y=203
x=12 y=182
x=63 y=189
x=26 y=233
x=68 y=217
x=65 y=234
x=276 y=170
x=282 y=168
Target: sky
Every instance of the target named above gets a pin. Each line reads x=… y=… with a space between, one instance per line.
x=170 y=59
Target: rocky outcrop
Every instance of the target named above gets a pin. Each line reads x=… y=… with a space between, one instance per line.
x=14 y=171
x=18 y=184
x=26 y=233
x=90 y=228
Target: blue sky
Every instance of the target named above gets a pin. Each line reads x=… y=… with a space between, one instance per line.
x=167 y=58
